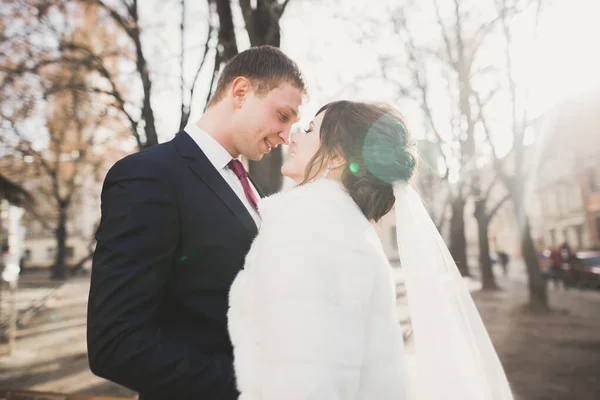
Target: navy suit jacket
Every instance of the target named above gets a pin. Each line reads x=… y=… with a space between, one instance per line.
x=172 y=237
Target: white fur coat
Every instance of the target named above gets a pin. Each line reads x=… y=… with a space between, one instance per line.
x=313 y=313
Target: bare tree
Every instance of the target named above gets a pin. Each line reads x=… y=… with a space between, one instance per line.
x=127 y=45
x=455 y=59
x=484 y=215
x=187 y=93
x=516 y=182
x=57 y=172
x=455 y=54
x=429 y=177
x=50 y=123
x=127 y=18
x=262 y=25
x=463 y=37
x=463 y=34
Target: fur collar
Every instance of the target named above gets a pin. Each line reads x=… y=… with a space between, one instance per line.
x=324 y=198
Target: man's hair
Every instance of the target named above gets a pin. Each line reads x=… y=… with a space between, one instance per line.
x=266 y=67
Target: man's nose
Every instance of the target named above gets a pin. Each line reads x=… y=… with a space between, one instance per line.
x=285 y=136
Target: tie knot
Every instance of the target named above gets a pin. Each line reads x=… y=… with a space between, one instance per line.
x=238 y=168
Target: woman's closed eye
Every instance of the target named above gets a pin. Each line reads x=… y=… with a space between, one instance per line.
x=309 y=129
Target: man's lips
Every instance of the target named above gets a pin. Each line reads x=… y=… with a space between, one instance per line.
x=269 y=145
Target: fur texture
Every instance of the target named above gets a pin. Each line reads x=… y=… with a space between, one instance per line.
x=313 y=313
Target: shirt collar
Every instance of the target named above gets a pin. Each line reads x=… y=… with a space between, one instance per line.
x=216 y=154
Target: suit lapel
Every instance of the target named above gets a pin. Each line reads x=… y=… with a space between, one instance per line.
x=203 y=169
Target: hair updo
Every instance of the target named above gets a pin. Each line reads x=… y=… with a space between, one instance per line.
x=376 y=145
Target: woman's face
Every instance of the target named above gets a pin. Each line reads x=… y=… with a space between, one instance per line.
x=303 y=146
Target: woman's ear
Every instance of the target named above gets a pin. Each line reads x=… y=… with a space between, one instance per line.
x=337 y=161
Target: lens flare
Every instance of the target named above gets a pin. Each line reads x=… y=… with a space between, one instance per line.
x=380 y=148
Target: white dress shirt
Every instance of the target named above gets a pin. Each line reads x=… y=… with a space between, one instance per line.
x=219 y=158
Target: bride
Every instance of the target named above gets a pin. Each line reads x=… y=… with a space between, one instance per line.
x=313 y=313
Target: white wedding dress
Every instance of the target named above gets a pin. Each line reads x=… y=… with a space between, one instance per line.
x=313 y=313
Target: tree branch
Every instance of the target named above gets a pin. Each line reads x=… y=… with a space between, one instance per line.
x=282 y=7
x=227 y=37
x=181 y=63
x=488 y=191
x=93 y=62
x=486 y=128
x=186 y=111
x=444 y=33
x=497 y=207
x=401 y=27
x=518 y=135
x=25 y=148
x=214 y=77
x=118 y=18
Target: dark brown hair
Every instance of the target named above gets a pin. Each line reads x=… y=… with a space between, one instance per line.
x=377 y=147
x=266 y=67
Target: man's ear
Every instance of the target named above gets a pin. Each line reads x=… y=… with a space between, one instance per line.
x=240 y=87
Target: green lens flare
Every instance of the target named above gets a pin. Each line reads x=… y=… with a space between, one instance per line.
x=380 y=148
x=354 y=168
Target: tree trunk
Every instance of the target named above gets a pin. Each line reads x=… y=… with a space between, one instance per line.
x=59 y=269
x=458 y=241
x=262 y=22
x=226 y=31
x=488 y=280
x=538 y=295
x=147 y=111
x=144 y=71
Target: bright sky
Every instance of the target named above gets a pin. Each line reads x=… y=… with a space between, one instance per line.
x=561 y=63
x=327 y=39
x=565 y=62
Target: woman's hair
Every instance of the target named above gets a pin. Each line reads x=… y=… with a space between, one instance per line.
x=374 y=142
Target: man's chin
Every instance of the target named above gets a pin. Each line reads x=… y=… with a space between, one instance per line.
x=258 y=155
x=255 y=155
x=261 y=155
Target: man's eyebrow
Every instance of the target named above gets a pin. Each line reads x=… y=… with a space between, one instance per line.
x=292 y=109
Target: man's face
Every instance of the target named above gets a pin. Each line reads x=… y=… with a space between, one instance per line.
x=263 y=123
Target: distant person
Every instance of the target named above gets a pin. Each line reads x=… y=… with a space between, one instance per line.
x=504 y=260
x=556 y=262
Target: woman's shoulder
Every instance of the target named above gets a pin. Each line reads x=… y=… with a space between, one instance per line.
x=315 y=200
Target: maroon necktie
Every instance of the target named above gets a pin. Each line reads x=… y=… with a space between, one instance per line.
x=238 y=168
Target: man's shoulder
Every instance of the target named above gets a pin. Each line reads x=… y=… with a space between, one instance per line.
x=155 y=159
x=157 y=153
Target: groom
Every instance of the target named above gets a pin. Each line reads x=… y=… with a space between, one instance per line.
x=177 y=222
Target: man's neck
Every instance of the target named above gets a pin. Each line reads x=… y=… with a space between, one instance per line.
x=213 y=122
